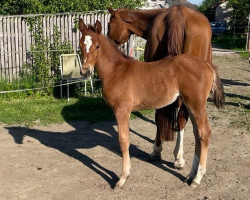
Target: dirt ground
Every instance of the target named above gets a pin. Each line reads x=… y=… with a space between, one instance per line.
x=81 y=161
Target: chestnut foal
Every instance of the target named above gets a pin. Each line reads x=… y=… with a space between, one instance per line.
x=129 y=85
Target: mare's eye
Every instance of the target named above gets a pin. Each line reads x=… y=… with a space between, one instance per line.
x=97 y=47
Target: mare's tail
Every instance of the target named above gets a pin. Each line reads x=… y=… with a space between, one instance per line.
x=175 y=23
x=217 y=89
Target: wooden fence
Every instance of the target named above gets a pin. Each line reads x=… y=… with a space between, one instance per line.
x=16 y=39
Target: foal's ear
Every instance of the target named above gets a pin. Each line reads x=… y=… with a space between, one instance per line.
x=98 y=27
x=82 y=25
x=111 y=11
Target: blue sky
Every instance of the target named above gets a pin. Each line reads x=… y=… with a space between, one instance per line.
x=197 y=2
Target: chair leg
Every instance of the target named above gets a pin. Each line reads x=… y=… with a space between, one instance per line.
x=85 y=84
x=92 y=88
x=67 y=90
x=61 y=88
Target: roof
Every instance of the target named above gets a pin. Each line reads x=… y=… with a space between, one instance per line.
x=184 y=3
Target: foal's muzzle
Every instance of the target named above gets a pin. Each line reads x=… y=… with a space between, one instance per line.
x=86 y=72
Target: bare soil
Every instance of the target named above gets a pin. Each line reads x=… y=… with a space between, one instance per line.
x=78 y=160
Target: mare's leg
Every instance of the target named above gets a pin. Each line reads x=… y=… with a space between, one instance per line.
x=165 y=118
x=202 y=132
x=156 y=154
x=178 y=151
x=122 y=118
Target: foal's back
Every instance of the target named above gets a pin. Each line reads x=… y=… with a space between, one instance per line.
x=157 y=84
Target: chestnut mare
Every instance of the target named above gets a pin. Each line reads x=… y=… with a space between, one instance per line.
x=130 y=85
x=168 y=32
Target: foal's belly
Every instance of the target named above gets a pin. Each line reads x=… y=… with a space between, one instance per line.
x=154 y=102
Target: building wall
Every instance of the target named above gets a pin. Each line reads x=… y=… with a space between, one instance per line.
x=222 y=13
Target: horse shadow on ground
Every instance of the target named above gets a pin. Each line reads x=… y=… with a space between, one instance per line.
x=86 y=136
x=230 y=82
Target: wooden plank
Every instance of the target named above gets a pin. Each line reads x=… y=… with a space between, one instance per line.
x=62 y=28
x=13 y=47
x=74 y=43
x=66 y=27
x=5 y=47
x=20 y=53
x=47 y=29
x=70 y=28
x=29 y=41
x=58 y=23
x=1 y=49
x=8 y=70
x=51 y=26
x=23 y=32
x=55 y=25
x=17 y=63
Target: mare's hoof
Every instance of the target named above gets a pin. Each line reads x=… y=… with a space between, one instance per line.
x=194 y=184
x=154 y=158
x=179 y=165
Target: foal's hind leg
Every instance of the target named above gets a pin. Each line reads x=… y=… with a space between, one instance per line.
x=122 y=118
x=178 y=151
x=202 y=132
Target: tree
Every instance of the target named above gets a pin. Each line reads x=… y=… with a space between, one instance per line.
x=19 y=7
x=240 y=13
x=207 y=8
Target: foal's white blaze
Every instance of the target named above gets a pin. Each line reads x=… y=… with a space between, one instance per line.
x=88 y=42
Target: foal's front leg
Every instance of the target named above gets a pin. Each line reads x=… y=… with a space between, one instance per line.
x=122 y=118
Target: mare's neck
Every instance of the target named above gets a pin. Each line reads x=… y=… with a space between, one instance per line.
x=141 y=19
x=109 y=58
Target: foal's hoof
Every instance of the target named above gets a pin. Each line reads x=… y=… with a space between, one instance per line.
x=120 y=184
x=117 y=187
x=190 y=182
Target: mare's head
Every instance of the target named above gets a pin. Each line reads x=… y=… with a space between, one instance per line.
x=118 y=29
x=89 y=44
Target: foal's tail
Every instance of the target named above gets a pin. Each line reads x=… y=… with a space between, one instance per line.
x=217 y=89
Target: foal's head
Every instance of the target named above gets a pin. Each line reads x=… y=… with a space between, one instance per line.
x=89 y=44
x=118 y=29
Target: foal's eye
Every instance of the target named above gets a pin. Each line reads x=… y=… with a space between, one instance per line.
x=97 y=47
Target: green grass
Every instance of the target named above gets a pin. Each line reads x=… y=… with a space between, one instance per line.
x=228 y=41
x=234 y=43
x=48 y=110
x=239 y=111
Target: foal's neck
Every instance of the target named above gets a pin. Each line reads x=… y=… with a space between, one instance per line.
x=109 y=57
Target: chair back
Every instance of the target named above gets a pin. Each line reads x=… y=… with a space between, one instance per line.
x=70 y=66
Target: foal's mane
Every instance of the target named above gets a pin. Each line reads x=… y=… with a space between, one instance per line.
x=111 y=43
